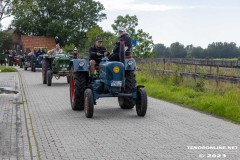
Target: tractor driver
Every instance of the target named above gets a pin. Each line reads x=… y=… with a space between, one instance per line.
x=123 y=36
x=96 y=52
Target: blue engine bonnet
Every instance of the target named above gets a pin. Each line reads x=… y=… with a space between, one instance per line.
x=108 y=75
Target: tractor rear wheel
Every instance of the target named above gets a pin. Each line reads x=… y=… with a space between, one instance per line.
x=44 y=72
x=141 y=105
x=130 y=84
x=49 y=77
x=34 y=67
x=88 y=103
x=78 y=83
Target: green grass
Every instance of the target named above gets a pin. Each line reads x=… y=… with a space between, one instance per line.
x=226 y=104
x=7 y=69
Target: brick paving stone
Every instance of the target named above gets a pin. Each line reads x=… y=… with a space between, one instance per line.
x=13 y=134
x=112 y=133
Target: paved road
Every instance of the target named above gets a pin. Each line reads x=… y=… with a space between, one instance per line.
x=165 y=133
x=13 y=134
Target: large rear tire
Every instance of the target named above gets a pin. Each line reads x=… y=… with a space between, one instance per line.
x=34 y=67
x=141 y=105
x=44 y=72
x=49 y=77
x=130 y=85
x=88 y=103
x=78 y=83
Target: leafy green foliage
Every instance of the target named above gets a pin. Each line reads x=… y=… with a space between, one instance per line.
x=159 y=50
x=5 y=10
x=178 y=50
x=214 y=50
x=128 y=22
x=108 y=38
x=144 y=46
x=69 y=48
x=223 y=50
x=5 y=41
x=144 y=42
x=69 y=20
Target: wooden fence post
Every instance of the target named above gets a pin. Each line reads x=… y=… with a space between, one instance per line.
x=217 y=75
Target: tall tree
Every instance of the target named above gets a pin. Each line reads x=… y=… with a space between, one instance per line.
x=128 y=22
x=159 y=50
x=144 y=47
x=144 y=40
x=178 y=50
x=5 y=41
x=108 y=38
x=68 y=19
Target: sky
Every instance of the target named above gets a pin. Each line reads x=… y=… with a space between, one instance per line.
x=197 y=22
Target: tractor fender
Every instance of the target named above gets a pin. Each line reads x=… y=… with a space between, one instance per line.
x=80 y=65
x=130 y=64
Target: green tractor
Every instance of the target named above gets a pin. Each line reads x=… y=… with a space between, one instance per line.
x=55 y=66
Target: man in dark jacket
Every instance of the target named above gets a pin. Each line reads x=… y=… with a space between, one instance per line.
x=96 y=52
x=128 y=45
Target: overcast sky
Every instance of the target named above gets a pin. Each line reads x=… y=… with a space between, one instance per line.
x=197 y=22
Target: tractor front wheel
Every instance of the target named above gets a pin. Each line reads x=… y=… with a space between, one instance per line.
x=21 y=63
x=78 y=83
x=49 y=77
x=141 y=105
x=44 y=72
x=88 y=103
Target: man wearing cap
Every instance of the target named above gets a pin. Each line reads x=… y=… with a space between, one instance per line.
x=75 y=53
x=96 y=52
x=123 y=36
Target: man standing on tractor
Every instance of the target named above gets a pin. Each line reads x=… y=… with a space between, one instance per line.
x=75 y=53
x=123 y=36
x=57 y=50
x=96 y=52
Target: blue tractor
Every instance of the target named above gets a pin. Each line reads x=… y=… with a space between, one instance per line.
x=113 y=79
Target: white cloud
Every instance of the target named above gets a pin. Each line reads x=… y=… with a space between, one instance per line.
x=132 y=5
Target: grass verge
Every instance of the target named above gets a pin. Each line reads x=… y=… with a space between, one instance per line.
x=225 y=104
x=7 y=69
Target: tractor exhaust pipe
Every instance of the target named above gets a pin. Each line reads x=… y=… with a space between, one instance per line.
x=122 y=52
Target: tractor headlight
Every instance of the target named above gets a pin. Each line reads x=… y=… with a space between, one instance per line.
x=130 y=63
x=81 y=64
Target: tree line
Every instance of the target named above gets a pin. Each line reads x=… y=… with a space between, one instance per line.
x=214 y=50
x=75 y=22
